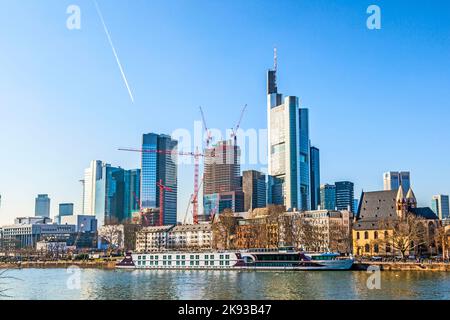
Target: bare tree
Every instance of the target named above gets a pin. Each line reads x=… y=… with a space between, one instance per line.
x=340 y=238
x=112 y=235
x=441 y=238
x=406 y=234
x=310 y=236
x=224 y=230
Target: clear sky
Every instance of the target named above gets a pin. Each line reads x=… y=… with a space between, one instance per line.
x=379 y=100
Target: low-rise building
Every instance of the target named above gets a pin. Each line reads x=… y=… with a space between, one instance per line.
x=27 y=231
x=190 y=237
x=152 y=239
x=374 y=228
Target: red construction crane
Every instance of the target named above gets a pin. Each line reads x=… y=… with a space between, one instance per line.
x=235 y=129
x=162 y=189
x=196 y=155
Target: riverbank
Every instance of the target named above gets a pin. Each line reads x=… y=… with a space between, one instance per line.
x=403 y=266
x=60 y=264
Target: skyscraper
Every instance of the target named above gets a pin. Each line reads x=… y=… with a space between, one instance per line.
x=328 y=197
x=440 y=205
x=222 y=182
x=42 y=206
x=393 y=179
x=254 y=187
x=65 y=209
x=288 y=146
x=91 y=176
x=156 y=166
x=132 y=192
x=315 y=178
x=344 y=195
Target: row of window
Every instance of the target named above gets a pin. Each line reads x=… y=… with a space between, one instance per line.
x=181 y=263
x=375 y=235
x=183 y=257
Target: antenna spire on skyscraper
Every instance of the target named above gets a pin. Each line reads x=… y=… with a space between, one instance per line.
x=275 y=62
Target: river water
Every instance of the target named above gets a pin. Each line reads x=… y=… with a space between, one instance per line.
x=164 y=284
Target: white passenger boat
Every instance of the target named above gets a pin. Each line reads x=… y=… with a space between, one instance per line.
x=253 y=259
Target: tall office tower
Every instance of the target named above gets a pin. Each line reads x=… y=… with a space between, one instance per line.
x=66 y=209
x=221 y=181
x=42 y=206
x=440 y=206
x=328 y=197
x=254 y=187
x=393 y=180
x=288 y=146
x=315 y=178
x=91 y=176
x=116 y=194
x=132 y=192
x=345 y=195
x=109 y=195
x=159 y=166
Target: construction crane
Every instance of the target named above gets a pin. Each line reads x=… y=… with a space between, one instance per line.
x=196 y=155
x=207 y=130
x=235 y=129
x=162 y=190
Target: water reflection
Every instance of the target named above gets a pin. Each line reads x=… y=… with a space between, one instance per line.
x=205 y=285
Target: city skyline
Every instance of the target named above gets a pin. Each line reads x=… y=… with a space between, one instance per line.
x=354 y=105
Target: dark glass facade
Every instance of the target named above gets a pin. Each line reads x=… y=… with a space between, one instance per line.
x=315 y=178
x=156 y=166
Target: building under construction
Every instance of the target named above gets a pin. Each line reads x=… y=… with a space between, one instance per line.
x=221 y=181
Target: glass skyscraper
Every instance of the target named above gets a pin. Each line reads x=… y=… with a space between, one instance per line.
x=315 y=178
x=328 y=197
x=289 y=147
x=393 y=179
x=156 y=166
x=440 y=206
x=42 y=206
x=345 y=195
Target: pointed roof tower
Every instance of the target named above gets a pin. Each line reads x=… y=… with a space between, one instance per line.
x=400 y=195
x=411 y=199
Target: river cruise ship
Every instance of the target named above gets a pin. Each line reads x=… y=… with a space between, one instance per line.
x=255 y=259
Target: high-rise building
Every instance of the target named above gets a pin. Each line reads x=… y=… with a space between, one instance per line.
x=221 y=181
x=394 y=179
x=254 y=187
x=132 y=192
x=91 y=176
x=42 y=206
x=315 y=178
x=288 y=146
x=345 y=195
x=109 y=196
x=440 y=206
x=159 y=166
x=327 y=197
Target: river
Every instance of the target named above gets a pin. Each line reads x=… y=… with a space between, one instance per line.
x=164 y=284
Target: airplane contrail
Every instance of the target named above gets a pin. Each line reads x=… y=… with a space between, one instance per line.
x=114 y=51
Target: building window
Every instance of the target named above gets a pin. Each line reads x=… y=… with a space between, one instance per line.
x=357 y=235
x=375 y=235
x=366 y=235
x=375 y=248
x=367 y=247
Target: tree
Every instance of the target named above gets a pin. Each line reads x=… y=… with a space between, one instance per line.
x=112 y=235
x=224 y=229
x=441 y=237
x=340 y=238
x=405 y=234
x=309 y=234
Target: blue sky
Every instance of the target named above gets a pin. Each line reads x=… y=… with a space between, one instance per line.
x=379 y=99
